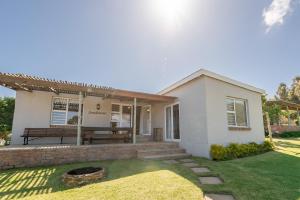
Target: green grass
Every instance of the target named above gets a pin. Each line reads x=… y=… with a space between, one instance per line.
x=273 y=175
x=126 y=179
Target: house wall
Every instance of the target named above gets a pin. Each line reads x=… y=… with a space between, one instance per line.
x=192 y=116
x=203 y=118
x=33 y=110
x=217 y=129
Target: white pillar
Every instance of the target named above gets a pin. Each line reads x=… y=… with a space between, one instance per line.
x=269 y=126
x=298 y=117
x=289 y=116
x=79 y=119
x=134 y=122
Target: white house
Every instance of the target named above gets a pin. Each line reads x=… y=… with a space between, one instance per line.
x=202 y=109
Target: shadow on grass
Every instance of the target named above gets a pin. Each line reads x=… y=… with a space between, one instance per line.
x=20 y=183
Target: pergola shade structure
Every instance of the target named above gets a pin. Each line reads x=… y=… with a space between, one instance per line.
x=286 y=105
x=33 y=83
x=30 y=83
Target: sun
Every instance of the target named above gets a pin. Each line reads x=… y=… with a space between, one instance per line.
x=170 y=12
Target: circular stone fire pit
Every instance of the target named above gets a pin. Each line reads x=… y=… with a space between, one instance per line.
x=83 y=176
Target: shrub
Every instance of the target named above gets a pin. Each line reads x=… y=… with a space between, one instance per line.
x=234 y=150
x=290 y=134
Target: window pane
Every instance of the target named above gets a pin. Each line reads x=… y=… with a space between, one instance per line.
x=59 y=104
x=230 y=104
x=241 y=115
x=115 y=117
x=72 y=118
x=126 y=116
x=73 y=106
x=231 y=119
x=58 y=118
x=176 y=122
x=115 y=108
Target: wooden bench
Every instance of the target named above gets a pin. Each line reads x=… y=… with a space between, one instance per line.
x=116 y=134
x=36 y=133
x=87 y=134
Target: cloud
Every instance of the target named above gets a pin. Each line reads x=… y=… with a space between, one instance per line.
x=276 y=12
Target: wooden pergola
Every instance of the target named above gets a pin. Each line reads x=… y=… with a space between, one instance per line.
x=288 y=106
x=34 y=83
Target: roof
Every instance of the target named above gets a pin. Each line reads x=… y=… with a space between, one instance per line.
x=31 y=83
x=284 y=104
x=204 y=72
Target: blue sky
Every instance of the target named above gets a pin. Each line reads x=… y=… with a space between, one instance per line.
x=147 y=45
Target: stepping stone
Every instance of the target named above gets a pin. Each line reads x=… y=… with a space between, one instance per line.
x=191 y=164
x=186 y=160
x=210 y=180
x=200 y=170
x=170 y=161
x=218 y=197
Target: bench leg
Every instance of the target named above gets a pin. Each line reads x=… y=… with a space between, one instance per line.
x=61 y=140
x=24 y=142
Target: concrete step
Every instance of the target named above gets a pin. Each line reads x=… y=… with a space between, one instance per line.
x=144 y=138
x=152 y=152
x=167 y=156
x=157 y=145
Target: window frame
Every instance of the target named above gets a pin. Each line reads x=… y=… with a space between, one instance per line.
x=234 y=112
x=121 y=113
x=62 y=111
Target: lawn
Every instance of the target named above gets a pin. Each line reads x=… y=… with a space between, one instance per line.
x=273 y=175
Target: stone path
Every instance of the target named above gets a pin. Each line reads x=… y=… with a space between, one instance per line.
x=209 y=180
x=171 y=161
x=218 y=197
x=199 y=170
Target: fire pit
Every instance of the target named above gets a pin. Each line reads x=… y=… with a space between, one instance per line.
x=83 y=176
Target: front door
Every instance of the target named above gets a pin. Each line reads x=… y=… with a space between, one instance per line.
x=172 y=130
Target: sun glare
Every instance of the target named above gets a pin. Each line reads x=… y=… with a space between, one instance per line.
x=170 y=12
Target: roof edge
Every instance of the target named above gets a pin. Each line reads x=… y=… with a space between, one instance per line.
x=204 y=72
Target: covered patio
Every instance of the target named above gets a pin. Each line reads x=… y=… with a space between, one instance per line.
x=119 y=114
x=289 y=125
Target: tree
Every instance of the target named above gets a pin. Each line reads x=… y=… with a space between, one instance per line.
x=282 y=91
x=7 y=106
x=291 y=94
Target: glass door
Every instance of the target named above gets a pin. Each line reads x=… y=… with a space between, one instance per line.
x=146 y=120
x=172 y=129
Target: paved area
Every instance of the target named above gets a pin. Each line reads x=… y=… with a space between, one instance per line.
x=218 y=197
x=199 y=170
x=210 y=180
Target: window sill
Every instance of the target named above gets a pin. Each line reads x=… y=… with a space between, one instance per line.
x=239 y=128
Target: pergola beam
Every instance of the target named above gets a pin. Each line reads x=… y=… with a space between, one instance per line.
x=19 y=86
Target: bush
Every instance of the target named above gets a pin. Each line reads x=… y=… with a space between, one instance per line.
x=234 y=150
x=290 y=134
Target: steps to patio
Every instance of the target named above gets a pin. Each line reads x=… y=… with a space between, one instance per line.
x=143 y=138
x=163 y=151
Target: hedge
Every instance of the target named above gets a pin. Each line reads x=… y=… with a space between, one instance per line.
x=234 y=150
x=289 y=134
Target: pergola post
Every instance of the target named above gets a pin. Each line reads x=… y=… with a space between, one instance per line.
x=289 y=116
x=298 y=117
x=134 y=122
x=79 y=119
x=269 y=126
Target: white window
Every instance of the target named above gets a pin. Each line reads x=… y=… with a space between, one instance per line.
x=121 y=115
x=64 y=111
x=237 y=112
